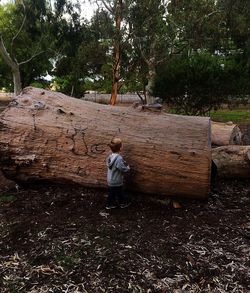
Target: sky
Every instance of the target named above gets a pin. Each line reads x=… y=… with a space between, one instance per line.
x=88 y=10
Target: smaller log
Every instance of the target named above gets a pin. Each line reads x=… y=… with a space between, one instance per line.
x=152 y=107
x=232 y=161
x=225 y=134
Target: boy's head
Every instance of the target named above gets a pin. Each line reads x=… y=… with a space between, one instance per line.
x=115 y=144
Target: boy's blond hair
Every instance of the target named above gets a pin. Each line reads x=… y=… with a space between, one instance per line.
x=115 y=144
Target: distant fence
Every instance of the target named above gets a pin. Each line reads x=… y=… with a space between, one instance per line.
x=105 y=98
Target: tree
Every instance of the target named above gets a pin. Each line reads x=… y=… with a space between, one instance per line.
x=149 y=37
x=237 y=17
x=22 y=36
x=198 y=25
x=196 y=84
x=116 y=9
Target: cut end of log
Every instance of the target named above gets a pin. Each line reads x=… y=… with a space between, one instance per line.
x=232 y=161
x=226 y=134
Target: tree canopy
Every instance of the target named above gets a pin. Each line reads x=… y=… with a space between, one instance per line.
x=178 y=50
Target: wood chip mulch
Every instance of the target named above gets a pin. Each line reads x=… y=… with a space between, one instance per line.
x=61 y=239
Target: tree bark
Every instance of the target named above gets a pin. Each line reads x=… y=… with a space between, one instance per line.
x=17 y=80
x=14 y=66
x=151 y=63
x=225 y=134
x=151 y=82
x=117 y=53
x=47 y=135
x=232 y=161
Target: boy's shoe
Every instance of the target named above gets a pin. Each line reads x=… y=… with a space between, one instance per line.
x=125 y=205
x=110 y=207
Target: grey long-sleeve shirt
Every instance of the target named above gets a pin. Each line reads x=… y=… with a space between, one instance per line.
x=116 y=169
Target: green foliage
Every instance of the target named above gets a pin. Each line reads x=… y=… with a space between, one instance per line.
x=237 y=16
x=196 y=24
x=25 y=31
x=67 y=86
x=200 y=48
x=84 y=54
x=38 y=85
x=149 y=41
x=196 y=84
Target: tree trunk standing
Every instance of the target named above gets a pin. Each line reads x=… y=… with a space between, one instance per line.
x=17 y=81
x=151 y=82
x=117 y=53
x=14 y=66
x=232 y=161
x=225 y=134
x=151 y=62
x=47 y=135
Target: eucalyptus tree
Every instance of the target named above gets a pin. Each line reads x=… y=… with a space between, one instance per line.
x=97 y=55
x=117 y=10
x=207 y=63
x=199 y=24
x=150 y=39
x=24 y=36
x=237 y=22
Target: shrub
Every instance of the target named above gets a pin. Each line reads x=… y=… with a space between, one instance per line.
x=194 y=85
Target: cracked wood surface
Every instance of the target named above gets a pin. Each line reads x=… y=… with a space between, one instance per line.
x=233 y=161
x=47 y=135
x=225 y=134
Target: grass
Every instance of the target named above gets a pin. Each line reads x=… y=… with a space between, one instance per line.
x=237 y=116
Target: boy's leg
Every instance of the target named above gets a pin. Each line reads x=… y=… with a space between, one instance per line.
x=122 y=197
x=111 y=200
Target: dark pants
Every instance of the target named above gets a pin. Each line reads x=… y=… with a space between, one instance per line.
x=116 y=196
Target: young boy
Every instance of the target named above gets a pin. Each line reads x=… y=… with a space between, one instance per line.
x=116 y=169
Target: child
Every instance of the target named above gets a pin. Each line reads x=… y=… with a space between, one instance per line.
x=116 y=169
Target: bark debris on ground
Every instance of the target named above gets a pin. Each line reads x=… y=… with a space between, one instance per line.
x=61 y=239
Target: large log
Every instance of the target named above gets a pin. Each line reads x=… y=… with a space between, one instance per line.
x=232 y=161
x=225 y=134
x=47 y=135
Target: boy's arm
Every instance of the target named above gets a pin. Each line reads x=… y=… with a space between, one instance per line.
x=121 y=165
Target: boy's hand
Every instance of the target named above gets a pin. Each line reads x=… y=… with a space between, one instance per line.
x=128 y=167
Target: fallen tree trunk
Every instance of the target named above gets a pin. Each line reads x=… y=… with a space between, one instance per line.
x=225 y=134
x=232 y=161
x=47 y=135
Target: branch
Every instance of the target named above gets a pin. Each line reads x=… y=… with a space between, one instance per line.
x=141 y=98
x=20 y=29
x=144 y=56
x=5 y=54
x=204 y=18
x=32 y=57
x=109 y=8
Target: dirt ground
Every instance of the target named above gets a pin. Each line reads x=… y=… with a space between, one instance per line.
x=61 y=239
